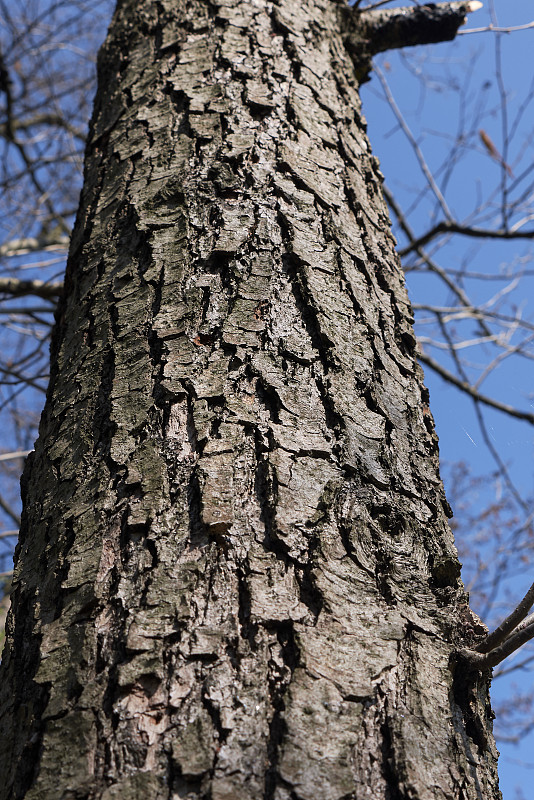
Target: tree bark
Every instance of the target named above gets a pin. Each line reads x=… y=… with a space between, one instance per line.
x=235 y=577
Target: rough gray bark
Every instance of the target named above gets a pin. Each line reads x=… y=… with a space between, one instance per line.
x=235 y=577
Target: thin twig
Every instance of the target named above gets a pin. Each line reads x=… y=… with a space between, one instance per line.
x=493 y=29
x=14 y=454
x=411 y=138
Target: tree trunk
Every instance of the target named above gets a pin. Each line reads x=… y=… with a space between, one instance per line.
x=235 y=578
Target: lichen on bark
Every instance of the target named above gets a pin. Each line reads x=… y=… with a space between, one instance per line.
x=235 y=577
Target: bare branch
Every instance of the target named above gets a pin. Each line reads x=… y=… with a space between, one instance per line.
x=417 y=150
x=6 y=508
x=507 y=625
x=449 y=226
x=18 y=247
x=14 y=454
x=502 y=651
x=494 y=29
x=468 y=389
x=9 y=534
x=19 y=288
x=43 y=119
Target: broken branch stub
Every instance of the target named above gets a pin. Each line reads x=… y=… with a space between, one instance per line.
x=372 y=31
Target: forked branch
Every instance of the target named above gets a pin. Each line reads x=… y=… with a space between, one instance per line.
x=509 y=636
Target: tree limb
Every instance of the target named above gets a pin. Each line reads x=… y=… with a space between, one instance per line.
x=509 y=636
x=472 y=392
x=18 y=288
x=14 y=454
x=405 y=27
x=47 y=118
x=447 y=226
x=500 y=633
x=31 y=244
x=6 y=508
x=487 y=660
